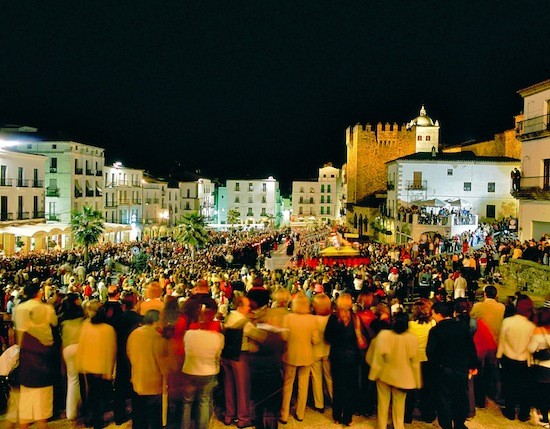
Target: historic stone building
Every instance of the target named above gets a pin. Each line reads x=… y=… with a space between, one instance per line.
x=369 y=148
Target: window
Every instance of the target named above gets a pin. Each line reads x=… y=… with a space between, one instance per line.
x=29 y=146
x=237 y=200
x=301 y=190
x=311 y=190
x=54 y=146
x=264 y=213
x=467 y=186
x=301 y=210
x=250 y=187
x=250 y=212
x=322 y=210
x=419 y=138
x=322 y=199
x=264 y=187
x=449 y=172
x=490 y=210
x=237 y=186
x=328 y=199
x=249 y=200
x=322 y=188
x=328 y=188
x=311 y=200
x=264 y=200
x=328 y=210
x=301 y=200
x=428 y=138
x=491 y=187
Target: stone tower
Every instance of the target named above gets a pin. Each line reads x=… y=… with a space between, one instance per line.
x=369 y=149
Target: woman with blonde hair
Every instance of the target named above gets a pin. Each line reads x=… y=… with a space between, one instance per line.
x=301 y=333
x=153 y=300
x=420 y=326
x=322 y=307
x=95 y=361
x=341 y=334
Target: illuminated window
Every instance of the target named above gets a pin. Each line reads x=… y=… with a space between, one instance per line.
x=428 y=138
x=419 y=138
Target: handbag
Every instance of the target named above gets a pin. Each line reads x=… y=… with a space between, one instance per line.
x=543 y=354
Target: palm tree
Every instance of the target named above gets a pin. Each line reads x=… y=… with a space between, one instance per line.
x=233 y=216
x=87 y=227
x=193 y=231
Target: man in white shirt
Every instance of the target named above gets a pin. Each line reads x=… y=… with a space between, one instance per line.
x=512 y=351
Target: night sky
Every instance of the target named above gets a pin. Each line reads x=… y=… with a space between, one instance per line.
x=242 y=89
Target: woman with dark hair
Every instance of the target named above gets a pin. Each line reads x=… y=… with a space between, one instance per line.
x=541 y=368
x=420 y=327
x=95 y=360
x=394 y=360
x=71 y=318
x=344 y=357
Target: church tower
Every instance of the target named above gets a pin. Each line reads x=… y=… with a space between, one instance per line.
x=426 y=132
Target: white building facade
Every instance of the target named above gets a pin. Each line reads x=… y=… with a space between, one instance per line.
x=534 y=133
x=452 y=181
x=257 y=200
x=21 y=198
x=318 y=201
x=73 y=175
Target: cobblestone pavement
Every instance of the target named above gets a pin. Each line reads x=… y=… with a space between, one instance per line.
x=488 y=418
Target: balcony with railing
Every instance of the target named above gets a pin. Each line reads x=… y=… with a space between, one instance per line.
x=53 y=169
x=124 y=201
x=533 y=188
x=6 y=182
x=136 y=201
x=38 y=214
x=89 y=172
x=136 y=183
x=52 y=192
x=112 y=203
x=4 y=216
x=534 y=128
x=22 y=183
x=53 y=217
x=23 y=215
x=37 y=183
x=416 y=184
x=78 y=170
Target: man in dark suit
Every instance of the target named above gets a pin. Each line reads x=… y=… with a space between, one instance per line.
x=452 y=354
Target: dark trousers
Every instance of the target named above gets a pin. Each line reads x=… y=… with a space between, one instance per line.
x=516 y=386
x=96 y=394
x=236 y=378
x=344 y=379
x=424 y=396
x=146 y=411
x=451 y=391
x=366 y=403
x=486 y=381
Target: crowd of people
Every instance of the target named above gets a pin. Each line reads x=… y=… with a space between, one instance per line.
x=196 y=327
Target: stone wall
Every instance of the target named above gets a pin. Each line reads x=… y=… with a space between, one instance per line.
x=368 y=150
x=522 y=275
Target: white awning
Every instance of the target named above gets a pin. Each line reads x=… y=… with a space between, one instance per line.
x=37 y=230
